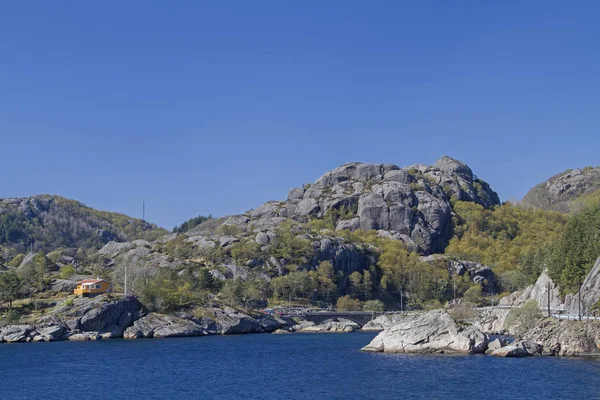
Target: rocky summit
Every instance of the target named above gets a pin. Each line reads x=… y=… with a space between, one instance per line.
x=412 y=204
x=557 y=192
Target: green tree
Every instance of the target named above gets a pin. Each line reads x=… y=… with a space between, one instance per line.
x=10 y=287
x=347 y=303
x=67 y=272
x=474 y=294
x=373 y=305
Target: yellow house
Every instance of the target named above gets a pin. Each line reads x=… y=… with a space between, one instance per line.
x=92 y=287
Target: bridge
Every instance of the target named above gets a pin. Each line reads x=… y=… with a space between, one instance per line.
x=360 y=317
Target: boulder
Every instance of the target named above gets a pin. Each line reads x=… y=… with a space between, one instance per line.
x=17 y=333
x=338 y=325
x=230 y=321
x=511 y=351
x=431 y=332
x=63 y=285
x=163 y=326
x=271 y=324
x=495 y=345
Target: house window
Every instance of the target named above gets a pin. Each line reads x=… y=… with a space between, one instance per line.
x=98 y=286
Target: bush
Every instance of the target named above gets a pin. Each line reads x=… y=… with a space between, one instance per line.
x=473 y=294
x=373 y=305
x=67 y=272
x=523 y=319
x=347 y=303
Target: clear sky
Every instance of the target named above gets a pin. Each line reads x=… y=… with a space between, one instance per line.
x=216 y=107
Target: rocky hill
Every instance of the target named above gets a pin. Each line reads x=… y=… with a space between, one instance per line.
x=411 y=204
x=559 y=191
x=48 y=222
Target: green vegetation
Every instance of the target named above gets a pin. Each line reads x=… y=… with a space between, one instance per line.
x=507 y=238
x=10 y=287
x=191 y=223
x=67 y=272
x=51 y=222
x=522 y=319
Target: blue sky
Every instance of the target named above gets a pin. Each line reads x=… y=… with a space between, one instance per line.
x=216 y=107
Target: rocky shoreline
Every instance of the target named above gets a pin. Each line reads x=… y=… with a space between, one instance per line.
x=437 y=332
x=427 y=332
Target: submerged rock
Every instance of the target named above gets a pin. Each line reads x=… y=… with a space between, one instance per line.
x=431 y=332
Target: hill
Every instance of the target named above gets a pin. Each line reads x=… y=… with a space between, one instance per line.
x=560 y=191
x=45 y=222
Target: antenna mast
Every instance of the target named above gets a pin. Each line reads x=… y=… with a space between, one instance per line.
x=143 y=209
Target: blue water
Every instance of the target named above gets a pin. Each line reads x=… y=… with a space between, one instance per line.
x=297 y=366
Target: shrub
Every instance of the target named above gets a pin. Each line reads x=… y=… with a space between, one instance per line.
x=67 y=272
x=521 y=320
x=347 y=303
x=474 y=294
x=373 y=305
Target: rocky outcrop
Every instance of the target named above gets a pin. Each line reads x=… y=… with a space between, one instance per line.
x=567 y=338
x=538 y=292
x=102 y=315
x=431 y=332
x=511 y=351
x=338 y=325
x=29 y=333
x=590 y=294
x=63 y=285
x=156 y=325
x=412 y=204
x=382 y=322
x=230 y=321
x=559 y=191
x=492 y=321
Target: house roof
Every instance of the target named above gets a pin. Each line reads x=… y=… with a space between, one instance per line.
x=90 y=281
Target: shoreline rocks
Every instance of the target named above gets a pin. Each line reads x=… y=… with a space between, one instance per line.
x=431 y=332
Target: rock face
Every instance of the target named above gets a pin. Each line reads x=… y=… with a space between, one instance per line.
x=230 y=321
x=412 y=203
x=567 y=338
x=156 y=325
x=382 y=322
x=590 y=293
x=491 y=321
x=432 y=332
x=100 y=314
x=556 y=193
x=537 y=292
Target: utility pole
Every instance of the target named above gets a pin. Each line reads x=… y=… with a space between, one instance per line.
x=454 y=286
x=579 y=295
x=549 y=298
x=401 y=303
